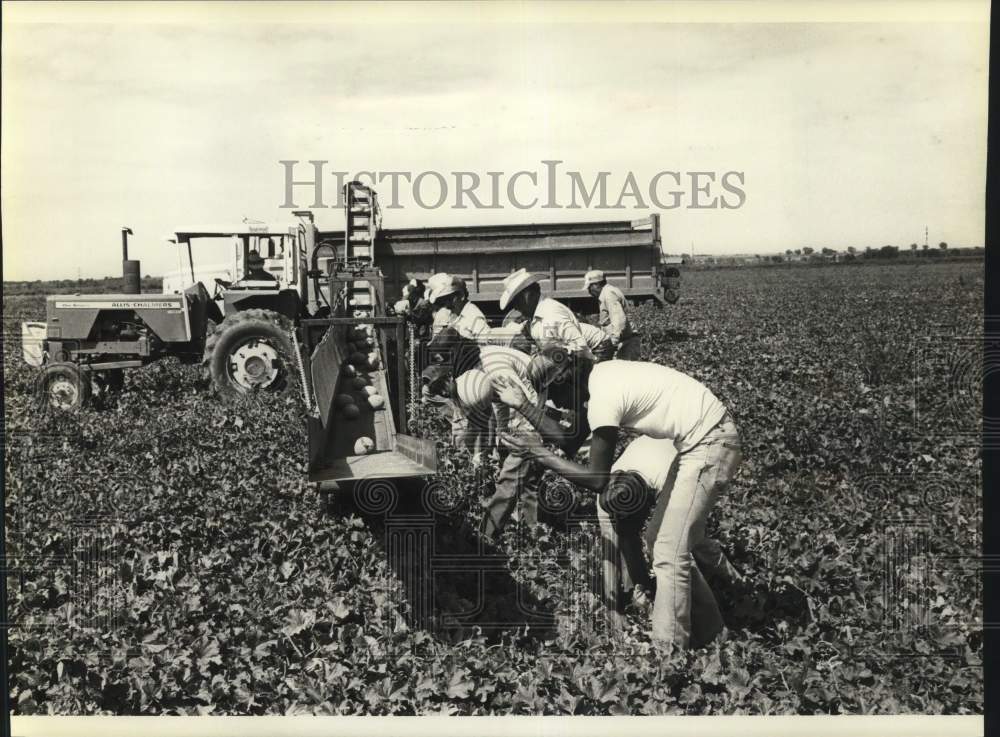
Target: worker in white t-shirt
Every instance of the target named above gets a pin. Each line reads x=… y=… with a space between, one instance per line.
x=641 y=478
x=613 y=319
x=449 y=298
x=660 y=402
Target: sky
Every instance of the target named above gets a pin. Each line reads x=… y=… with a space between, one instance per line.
x=845 y=133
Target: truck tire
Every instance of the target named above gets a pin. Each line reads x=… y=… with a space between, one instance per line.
x=63 y=386
x=250 y=351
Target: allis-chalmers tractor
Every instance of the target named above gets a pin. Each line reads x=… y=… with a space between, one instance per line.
x=267 y=282
x=243 y=333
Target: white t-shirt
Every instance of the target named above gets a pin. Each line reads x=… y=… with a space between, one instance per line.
x=649 y=457
x=653 y=400
x=554 y=322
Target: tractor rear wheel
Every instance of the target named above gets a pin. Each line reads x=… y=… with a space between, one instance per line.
x=250 y=351
x=64 y=386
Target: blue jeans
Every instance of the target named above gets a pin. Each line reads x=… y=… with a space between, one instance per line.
x=625 y=564
x=703 y=474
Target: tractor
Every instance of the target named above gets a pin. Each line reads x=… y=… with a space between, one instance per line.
x=265 y=281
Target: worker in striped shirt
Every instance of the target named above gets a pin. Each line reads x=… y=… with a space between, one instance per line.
x=467 y=378
x=613 y=319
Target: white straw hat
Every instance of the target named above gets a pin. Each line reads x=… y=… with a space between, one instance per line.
x=514 y=285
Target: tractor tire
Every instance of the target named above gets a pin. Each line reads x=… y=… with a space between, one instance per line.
x=251 y=351
x=63 y=386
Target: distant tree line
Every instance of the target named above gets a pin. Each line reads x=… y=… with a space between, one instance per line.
x=830 y=255
x=90 y=285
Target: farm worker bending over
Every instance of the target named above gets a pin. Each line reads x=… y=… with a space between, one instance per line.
x=551 y=323
x=644 y=477
x=467 y=375
x=613 y=319
x=660 y=402
x=449 y=298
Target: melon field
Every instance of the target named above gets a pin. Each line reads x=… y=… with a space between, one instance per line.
x=165 y=554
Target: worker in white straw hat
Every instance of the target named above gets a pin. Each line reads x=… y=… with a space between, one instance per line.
x=549 y=321
x=551 y=324
x=449 y=298
x=613 y=318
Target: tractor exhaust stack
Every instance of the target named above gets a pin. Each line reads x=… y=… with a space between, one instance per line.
x=131 y=280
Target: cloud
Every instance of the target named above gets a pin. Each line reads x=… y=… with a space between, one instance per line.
x=845 y=132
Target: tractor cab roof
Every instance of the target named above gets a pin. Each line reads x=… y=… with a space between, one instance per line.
x=241 y=229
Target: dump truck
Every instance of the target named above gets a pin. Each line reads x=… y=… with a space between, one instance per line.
x=266 y=280
x=628 y=251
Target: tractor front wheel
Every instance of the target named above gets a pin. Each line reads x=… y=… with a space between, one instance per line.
x=250 y=351
x=64 y=386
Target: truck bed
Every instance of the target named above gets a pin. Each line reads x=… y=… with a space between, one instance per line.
x=628 y=251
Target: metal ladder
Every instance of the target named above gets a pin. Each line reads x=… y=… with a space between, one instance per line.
x=359 y=245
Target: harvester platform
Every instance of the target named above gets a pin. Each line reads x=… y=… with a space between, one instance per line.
x=344 y=382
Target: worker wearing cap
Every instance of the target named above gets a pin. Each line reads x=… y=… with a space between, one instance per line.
x=613 y=319
x=520 y=478
x=449 y=298
x=654 y=400
x=641 y=481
